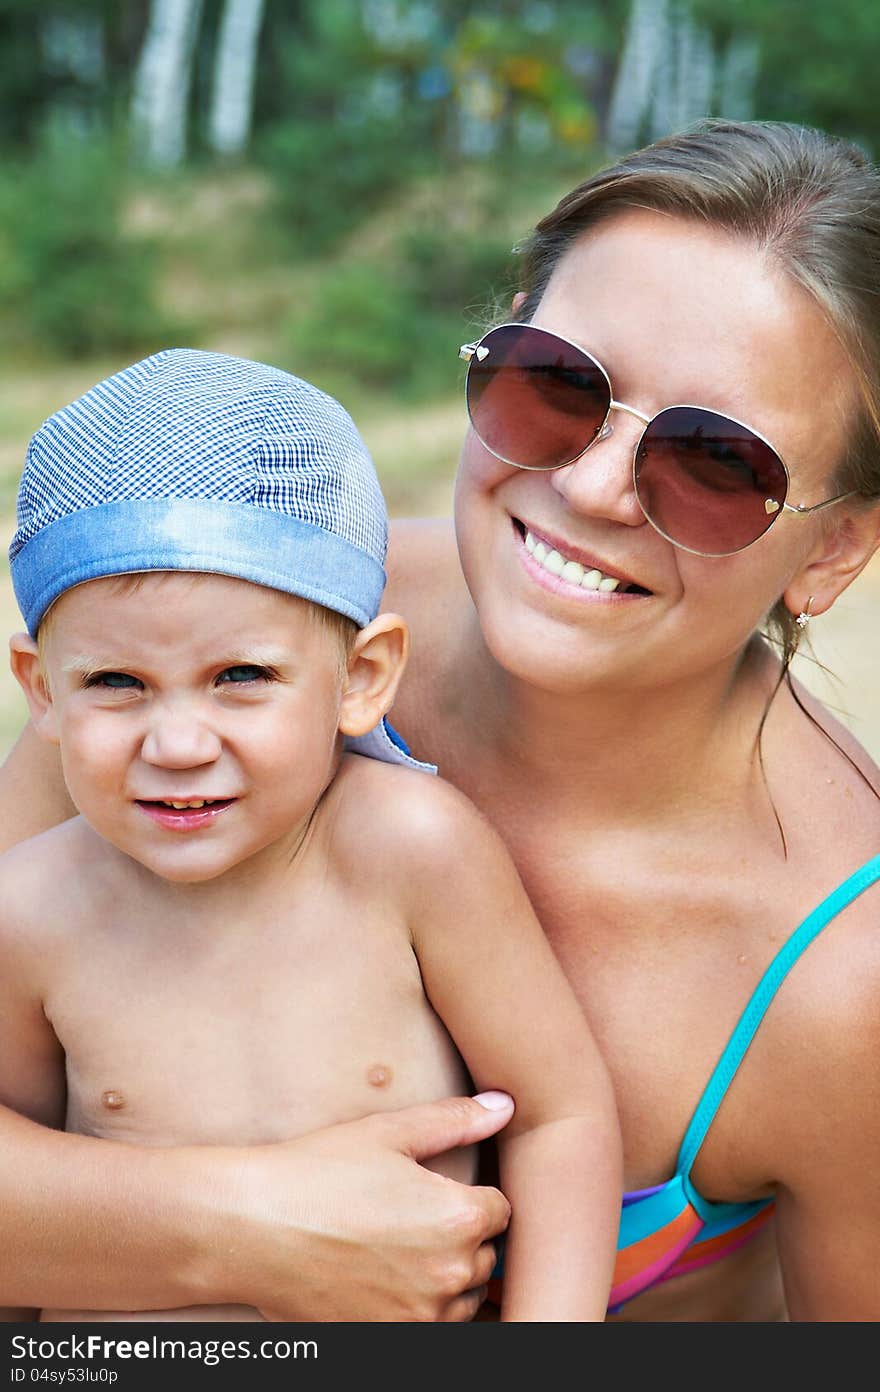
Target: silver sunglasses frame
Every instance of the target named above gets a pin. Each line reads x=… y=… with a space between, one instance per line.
x=772 y=506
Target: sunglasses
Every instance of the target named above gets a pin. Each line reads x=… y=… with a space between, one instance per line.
x=705 y=481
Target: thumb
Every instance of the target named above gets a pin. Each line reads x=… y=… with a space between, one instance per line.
x=433 y=1127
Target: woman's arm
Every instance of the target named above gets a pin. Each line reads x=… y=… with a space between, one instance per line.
x=33 y=796
x=826 y=1131
x=342 y=1224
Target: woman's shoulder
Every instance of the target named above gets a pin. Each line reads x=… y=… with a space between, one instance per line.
x=424 y=575
x=841 y=738
x=823 y=781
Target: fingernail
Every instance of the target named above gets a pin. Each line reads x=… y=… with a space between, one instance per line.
x=494 y=1101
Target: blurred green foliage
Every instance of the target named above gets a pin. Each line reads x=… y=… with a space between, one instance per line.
x=818 y=62
x=71 y=281
x=393 y=322
x=403 y=147
x=365 y=98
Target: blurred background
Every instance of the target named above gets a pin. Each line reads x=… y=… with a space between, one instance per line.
x=336 y=187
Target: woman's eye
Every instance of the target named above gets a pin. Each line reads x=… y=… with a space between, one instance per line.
x=116 y=681
x=244 y=672
x=731 y=459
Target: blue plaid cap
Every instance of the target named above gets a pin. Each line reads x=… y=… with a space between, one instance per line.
x=199 y=461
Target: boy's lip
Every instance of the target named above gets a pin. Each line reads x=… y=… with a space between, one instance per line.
x=183 y=818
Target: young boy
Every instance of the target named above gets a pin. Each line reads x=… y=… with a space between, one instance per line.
x=250 y=931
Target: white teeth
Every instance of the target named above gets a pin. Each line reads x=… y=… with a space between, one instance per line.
x=572 y=571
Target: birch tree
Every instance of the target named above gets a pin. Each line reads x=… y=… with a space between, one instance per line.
x=231 y=111
x=684 y=79
x=645 y=49
x=739 y=73
x=162 y=80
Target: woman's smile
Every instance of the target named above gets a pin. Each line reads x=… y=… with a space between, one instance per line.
x=548 y=559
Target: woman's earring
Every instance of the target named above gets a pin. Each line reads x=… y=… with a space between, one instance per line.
x=805 y=615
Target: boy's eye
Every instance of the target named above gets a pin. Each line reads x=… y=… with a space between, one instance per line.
x=244 y=672
x=117 y=681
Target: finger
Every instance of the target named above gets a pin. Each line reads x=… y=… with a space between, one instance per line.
x=465 y=1306
x=430 y=1129
x=484 y=1264
x=494 y=1206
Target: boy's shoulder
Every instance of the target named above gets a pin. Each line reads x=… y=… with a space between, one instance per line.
x=402 y=818
x=36 y=877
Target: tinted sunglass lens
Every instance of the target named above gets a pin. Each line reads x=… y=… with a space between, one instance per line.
x=533 y=399
x=706 y=482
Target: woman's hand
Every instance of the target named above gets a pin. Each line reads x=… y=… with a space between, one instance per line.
x=344 y=1224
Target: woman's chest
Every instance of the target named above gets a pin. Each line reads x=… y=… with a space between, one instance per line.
x=663 y=959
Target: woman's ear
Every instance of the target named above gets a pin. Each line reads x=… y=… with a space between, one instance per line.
x=835 y=561
x=375 y=667
x=518 y=301
x=27 y=668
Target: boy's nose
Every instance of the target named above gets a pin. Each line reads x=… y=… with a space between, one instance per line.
x=180 y=739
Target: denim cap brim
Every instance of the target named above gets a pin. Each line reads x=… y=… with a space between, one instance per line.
x=246 y=542
x=190 y=460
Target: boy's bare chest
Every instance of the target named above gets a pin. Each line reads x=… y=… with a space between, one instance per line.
x=252 y=1037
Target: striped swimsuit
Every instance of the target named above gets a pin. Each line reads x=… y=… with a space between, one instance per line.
x=671 y=1229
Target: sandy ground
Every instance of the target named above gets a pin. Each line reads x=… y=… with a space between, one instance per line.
x=845 y=641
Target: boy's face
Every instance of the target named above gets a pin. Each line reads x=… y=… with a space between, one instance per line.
x=195 y=689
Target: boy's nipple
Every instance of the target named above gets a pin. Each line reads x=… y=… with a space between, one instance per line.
x=112 y=1100
x=379 y=1075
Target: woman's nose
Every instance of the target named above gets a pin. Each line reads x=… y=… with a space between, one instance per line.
x=599 y=482
x=180 y=738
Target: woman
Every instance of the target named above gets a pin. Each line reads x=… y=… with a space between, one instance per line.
x=597 y=684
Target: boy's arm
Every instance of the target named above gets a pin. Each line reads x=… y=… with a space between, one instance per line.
x=499 y=989
x=33 y=795
x=32 y=1077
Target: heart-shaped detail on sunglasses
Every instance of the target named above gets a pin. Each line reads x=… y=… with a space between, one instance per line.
x=771 y=506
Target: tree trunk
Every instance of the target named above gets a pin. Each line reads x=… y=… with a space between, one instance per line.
x=229 y=124
x=646 y=43
x=162 y=81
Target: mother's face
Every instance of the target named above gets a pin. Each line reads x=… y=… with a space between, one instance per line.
x=677 y=312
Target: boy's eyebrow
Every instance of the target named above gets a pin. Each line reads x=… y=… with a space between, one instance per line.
x=256 y=657
x=83 y=663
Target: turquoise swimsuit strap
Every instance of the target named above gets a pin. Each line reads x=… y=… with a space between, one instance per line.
x=754 y=1012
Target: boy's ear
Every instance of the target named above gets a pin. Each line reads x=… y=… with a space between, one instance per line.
x=375 y=667
x=24 y=659
x=835 y=562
